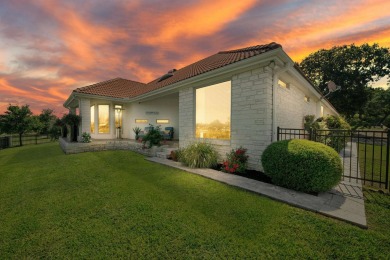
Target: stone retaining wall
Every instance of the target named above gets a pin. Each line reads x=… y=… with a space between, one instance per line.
x=99 y=145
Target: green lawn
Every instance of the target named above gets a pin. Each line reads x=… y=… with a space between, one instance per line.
x=372 y=167
x=114 y=204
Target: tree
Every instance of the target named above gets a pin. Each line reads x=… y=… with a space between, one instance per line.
x=47 y=119
x=351 y=67
x=73 y=122
x=16 y=120
x=377 y=110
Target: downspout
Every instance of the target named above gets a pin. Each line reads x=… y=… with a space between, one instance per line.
x=276 y=71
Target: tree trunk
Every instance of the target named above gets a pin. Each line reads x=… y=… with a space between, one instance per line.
x=20 y=139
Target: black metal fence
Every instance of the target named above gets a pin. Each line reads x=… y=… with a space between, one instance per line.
x=365 y=153
x=27 y=139
x=4 y=142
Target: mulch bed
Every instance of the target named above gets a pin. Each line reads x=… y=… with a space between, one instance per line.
x=250 y=174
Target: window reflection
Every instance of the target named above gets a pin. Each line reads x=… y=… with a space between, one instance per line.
x=92 y=119
x=104 y=115
x=118 y=116
x=213 y=106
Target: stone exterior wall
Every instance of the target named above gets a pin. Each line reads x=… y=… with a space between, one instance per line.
x=291 y=107
x=251 y=115
x=186 y=116
x=100 y=145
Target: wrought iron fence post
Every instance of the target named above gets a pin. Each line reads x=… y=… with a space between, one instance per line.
x=277 y=133
x=387 y=159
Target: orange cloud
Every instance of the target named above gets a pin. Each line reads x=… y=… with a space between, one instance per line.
x=336 y=26
x=199 y=19
x=82 y=38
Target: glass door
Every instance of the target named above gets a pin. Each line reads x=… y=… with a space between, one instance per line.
x=118 y=121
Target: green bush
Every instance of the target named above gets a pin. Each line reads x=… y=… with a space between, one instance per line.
x=302 y=165
x=86 y=137
x=199 y=155
x=153 y=137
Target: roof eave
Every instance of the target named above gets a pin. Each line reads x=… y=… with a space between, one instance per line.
x=309 y=85
x=92 y=96
x=271 y=55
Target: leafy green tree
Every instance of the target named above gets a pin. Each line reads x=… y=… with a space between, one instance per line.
x=73 y=122
x=351 y=67
x=36 y=125
x=377 y=109
x=47 y=119
x=16 y=120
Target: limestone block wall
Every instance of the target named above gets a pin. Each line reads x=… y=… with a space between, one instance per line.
x=251 y=115
x=186 y=116
x=251 y=119
x=291 y=107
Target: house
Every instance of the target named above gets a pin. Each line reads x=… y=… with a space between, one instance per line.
x=229 y=99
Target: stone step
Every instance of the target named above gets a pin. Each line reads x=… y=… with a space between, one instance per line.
x=162 y=155
x=169 y=150
x=165 y=153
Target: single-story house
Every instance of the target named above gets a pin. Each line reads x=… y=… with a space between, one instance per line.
x=230 y=99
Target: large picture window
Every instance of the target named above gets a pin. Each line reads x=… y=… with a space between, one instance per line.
x=213 y=106
x=92 y=119
x=104 y=119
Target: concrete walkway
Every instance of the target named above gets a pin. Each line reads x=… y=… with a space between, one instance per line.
x=344 y=202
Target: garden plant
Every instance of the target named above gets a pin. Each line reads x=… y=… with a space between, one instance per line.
x=302 y=165
x=199 y=155
x=236 y=161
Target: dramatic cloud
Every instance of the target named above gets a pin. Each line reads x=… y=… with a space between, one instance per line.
x=48 y=47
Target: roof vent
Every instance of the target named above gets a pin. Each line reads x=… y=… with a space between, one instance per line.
x=168 y=75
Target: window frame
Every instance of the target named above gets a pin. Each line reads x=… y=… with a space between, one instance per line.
x=214 y=140
x=92 y=121
x=109 y=119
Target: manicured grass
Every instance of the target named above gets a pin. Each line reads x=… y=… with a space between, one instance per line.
x=372 y=167
x=115 y=204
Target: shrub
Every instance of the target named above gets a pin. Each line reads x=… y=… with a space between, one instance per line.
x=153 y=137
x=136 y=131
x=302 y=165
x=236 y=161
x=175 y=155
x=86 y=137
x=199 y=155
x=311 y=123
x=336 y=140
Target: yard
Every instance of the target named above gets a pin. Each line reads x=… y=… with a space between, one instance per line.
x=372 y=162
x=115 y=204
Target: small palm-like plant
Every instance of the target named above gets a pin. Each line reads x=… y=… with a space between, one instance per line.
x=199 y=155
x=136 y=131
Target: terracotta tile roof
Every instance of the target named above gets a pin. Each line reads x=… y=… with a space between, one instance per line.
x=117 y=88
x=126 y=88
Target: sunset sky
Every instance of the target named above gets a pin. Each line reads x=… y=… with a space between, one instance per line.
x=48 y=48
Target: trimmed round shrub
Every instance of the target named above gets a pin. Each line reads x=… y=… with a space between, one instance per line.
x=302 y=165
x=199 y=155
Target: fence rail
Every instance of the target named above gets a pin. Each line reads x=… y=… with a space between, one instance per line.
x=365 y=153
x=27 y=139
x=4 y=142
